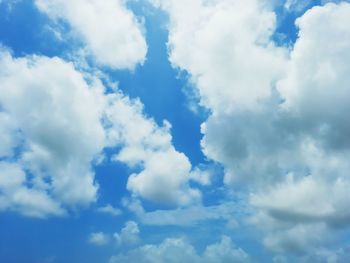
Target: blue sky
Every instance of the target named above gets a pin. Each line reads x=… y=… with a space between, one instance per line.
x=174 y=131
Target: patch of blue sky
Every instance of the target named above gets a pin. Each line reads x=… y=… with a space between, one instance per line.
x=286 y=32
x=26 y=31
x=160 y=88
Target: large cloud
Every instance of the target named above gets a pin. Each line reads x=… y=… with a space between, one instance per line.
x=277 y=124
x=233 y=64
x=316 y=89
x=316 y=94
x=230 y=56
x=111 y=32
x=55 y=130
x=55 y=123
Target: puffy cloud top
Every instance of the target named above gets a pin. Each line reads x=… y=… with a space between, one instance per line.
x=111 y=32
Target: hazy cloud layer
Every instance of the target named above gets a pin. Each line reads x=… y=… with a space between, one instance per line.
x=180 y=250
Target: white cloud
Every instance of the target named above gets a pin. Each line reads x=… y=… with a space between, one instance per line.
x=98 y=239
x=224 y=252
x=164 y=172
x=133 y=205
x=60 y=136
x=108 y=209
x=297 y=5
x=111 y=32
x=60 y=120
x=304 y=212
x=273 y=115
x=17 y=196
x=179 y=250
x=231 y=59
x=234 y=66
x=193 y=215
x=129 y=235
x=297 y=239
x=9 y=137
x=317 y=197
x=202 y=175
x=316 y=88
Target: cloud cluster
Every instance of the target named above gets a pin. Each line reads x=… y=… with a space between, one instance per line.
x=278 y=117
x=277 y=124
x=180 y=250
x=56 y=122
x=316 y=95
x=110 y=32
x=53 y=130
x=164 y=173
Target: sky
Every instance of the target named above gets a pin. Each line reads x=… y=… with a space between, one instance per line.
x=187 y=131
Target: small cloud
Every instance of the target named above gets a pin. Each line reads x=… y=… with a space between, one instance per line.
x=202 y=175
x=134 y=205
x=108 y=209
x=98 y=239
x=129 y=235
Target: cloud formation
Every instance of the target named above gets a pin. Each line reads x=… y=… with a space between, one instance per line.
x=98 y=239
x=129 y=235
x=164 y=173
x=277 y=121
x=180 y=250
x=316 y=94
x=56 y=123
x=277 y=124
x=110 y=32
x=110 y=210
x=56 y=131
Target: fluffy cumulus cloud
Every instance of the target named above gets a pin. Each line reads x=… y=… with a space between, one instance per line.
x=163 y=173
x=110 y=32
x=278 y=117
x=317 y=99
x=15 y=194
x=129 y=235
x=48 y=132
x=231 y=58
x=318 y=93
x=55 y=123
x=180 y=250
x=233 y=64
